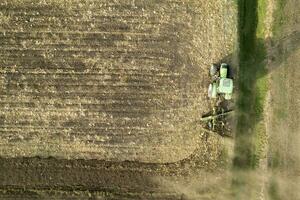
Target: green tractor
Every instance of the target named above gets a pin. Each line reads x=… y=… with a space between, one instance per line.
x=222 y=84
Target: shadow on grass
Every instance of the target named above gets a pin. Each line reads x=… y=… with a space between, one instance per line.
x=253 y=58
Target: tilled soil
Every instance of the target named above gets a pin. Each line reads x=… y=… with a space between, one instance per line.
x=87 y=82
x=107 y=80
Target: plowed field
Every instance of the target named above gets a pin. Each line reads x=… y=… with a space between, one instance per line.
x=107 y=82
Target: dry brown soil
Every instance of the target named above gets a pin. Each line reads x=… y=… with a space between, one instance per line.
x=107 y=80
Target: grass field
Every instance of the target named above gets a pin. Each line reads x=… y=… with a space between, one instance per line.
x=284 y=112
x=251 y=137
x=267 y=129
x=251 y=83
x=279 y=17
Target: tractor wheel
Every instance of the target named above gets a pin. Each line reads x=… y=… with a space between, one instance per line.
x=212 y=91
x=213 y=70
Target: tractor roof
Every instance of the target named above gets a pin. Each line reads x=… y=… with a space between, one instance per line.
x=226 y=85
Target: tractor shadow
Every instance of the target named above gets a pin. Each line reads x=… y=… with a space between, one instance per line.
x=282 y=48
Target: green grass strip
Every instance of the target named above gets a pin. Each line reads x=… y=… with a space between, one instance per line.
x=252 y=83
